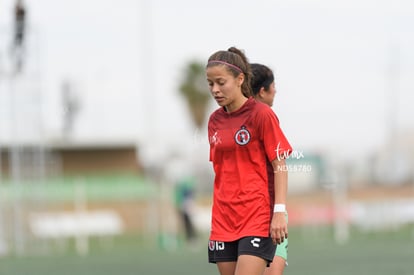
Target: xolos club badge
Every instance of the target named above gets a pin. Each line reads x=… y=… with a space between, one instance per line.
x=242 y=136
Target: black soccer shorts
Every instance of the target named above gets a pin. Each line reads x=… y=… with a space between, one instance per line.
x=262 y=247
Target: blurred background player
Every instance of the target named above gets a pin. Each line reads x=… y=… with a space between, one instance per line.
x=184 y=200
x=263 y=88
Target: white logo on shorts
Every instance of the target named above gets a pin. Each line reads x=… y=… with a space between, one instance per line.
x=255 y=242
x=213 y=245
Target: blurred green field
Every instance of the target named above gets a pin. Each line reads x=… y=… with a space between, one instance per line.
x=311 y=251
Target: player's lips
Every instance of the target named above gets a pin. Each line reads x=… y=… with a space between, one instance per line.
x=219 y=98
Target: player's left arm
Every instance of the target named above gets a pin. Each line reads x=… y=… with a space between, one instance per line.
x=278 y=226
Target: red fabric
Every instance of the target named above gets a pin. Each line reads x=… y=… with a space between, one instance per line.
x=241 y=143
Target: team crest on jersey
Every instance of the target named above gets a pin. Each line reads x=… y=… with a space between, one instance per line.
x=242 y=136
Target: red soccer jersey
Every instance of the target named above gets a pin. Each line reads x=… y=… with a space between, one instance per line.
x=240 y=144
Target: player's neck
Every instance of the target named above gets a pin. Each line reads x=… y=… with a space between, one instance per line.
x=236 y=104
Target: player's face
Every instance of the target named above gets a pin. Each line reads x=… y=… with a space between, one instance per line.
x=224 y=87
x=269 y=95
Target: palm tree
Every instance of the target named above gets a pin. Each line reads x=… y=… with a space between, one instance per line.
x=195 y=90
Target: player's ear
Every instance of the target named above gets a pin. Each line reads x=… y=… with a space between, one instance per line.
x=240 y=79
x=262 y=92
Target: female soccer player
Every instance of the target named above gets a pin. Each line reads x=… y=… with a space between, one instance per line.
x=244 y=134
x=263 y=88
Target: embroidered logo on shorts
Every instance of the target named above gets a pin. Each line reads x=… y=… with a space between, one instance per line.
x=255 y=242
x=242 y=136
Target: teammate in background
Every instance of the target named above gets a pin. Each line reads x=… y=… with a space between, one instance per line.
x=243 y=135
x=263 y=88
x=184 y=200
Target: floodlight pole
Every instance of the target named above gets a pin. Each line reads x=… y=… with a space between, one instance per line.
x=3 y=243
x=393 y=73
x=80 y=208
x=392 y=91
x=340 y=197
x=150 y=112
x=3 y=246
x=15 y=172
x=17 y=59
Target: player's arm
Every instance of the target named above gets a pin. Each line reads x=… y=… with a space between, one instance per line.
x=278 y=226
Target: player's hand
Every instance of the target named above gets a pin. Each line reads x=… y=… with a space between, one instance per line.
x=278 y=228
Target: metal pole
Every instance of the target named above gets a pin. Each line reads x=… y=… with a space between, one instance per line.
x=15 y=171
x=340 y=195
x=149 y=137
x=147 y=60
x=80 y=205
x=3 y=243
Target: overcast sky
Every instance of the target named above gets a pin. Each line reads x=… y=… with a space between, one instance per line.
x=125 y=58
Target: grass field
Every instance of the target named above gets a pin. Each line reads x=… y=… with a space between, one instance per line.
x=310 y=252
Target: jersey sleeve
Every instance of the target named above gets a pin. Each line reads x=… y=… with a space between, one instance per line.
x=275 y=142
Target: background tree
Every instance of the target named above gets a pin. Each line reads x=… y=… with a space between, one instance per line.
x=195 y=90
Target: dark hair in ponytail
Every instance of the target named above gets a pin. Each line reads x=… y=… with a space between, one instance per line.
x=236 y=62
x=262 y=76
